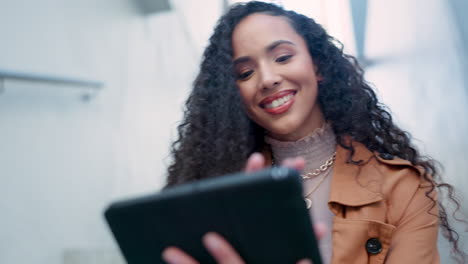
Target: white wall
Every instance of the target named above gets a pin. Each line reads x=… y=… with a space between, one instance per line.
x=60 y=155
x=63 y=159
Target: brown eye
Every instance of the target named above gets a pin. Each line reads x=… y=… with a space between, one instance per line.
x=244 y=75
x=283 y=58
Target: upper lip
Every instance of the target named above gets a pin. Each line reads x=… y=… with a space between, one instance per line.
x=275 y=96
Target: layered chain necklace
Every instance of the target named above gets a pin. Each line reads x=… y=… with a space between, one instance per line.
x=323 y=169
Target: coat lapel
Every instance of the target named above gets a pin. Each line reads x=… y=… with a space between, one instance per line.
x=354 y=185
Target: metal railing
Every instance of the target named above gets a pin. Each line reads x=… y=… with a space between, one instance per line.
x=24 y=76
x=90 y=86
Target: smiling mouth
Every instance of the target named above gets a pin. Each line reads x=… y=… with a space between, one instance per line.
x=277 y=99
x=279 y=102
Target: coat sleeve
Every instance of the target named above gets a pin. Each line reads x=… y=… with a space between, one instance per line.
x=415 y=237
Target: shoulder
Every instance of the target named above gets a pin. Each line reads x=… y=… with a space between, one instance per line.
x=374 y=178
x=396 y=171
x=377 y=178
x=404 y=188
x=391 y=169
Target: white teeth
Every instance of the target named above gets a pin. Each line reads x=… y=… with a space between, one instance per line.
x=279 y=101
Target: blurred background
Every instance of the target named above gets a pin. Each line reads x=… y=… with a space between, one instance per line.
x=91 y=93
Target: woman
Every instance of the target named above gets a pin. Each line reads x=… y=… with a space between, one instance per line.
x=272 y=81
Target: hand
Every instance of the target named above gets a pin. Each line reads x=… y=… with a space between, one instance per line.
x=216 y=245
x=256 y=162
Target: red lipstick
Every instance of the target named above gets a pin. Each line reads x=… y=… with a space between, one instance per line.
x=279 y=109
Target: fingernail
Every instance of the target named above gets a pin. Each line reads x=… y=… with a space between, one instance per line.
x=256 y=155
x=304 y=261
x=211 y=241
x=170 y=257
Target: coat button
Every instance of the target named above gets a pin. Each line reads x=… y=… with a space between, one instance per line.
x=386 y=156
x=373 y=246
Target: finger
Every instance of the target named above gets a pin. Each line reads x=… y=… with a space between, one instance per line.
x=304 y=261
x=320 y=230
x=294 y=163
x=221 y=250
x=173 y=255
x=255 y=162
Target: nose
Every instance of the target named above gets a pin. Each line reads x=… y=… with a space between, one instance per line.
x=269 y=77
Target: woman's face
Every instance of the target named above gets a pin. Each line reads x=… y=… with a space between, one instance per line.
x=276 y=76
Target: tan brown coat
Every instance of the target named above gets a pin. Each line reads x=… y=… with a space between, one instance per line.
x=381 y=207
x=384 y=199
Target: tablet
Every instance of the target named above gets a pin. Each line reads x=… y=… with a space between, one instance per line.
x=262 y=214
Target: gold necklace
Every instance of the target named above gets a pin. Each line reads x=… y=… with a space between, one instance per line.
x=306 y=197
x=327 y=164
x=324 y=167
x=320 y=169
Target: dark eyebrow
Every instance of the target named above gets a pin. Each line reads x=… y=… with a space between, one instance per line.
x=269 y=48
x=275 y=44
x=241 y=60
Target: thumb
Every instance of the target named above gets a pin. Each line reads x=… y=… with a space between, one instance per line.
x=255 y=162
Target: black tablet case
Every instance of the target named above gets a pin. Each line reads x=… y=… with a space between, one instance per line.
x=263 y=215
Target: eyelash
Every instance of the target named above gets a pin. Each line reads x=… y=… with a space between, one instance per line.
x=245 y=75
x=283 y=58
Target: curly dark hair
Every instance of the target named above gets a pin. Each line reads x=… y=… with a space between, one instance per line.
x=216 y=136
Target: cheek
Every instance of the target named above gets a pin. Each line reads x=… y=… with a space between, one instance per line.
x=248 y=99
x=307 y=79
x=304 y=70
x=247 y=94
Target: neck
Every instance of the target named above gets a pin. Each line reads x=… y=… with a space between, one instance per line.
x=315 y=148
